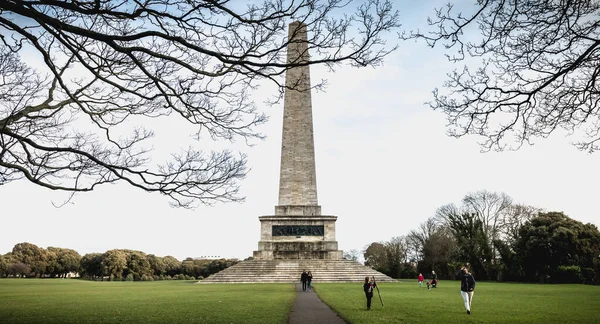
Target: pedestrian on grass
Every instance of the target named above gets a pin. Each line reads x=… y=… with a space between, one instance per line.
x=467 y=287
x=421 y=278
x=368 y=288
x=434 y=281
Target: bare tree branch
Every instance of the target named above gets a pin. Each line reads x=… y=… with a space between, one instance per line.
x=107 y=65
x=536 y=69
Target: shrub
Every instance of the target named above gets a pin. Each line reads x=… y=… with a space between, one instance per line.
x=129 y=277
x=589 y=276
x=408 y=273
x=567 y=274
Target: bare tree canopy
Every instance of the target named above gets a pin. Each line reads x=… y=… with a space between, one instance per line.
x=513 y=218
x=478 y=225
x=68 y=123
x=416 y=239
x=489 y=207
x=534 y=67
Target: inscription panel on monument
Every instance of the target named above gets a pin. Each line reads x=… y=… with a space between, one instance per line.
x=298 y=230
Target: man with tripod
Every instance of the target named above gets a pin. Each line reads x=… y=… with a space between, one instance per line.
x=368 y=288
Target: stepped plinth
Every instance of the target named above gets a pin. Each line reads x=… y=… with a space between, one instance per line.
x=288 y=271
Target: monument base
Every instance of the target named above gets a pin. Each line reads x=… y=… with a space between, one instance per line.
x=298 y=255
x=298 y=238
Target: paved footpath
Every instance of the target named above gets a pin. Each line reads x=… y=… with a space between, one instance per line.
x=309 y=309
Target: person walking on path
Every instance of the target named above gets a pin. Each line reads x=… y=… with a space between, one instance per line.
x=467 y=286
x=421 y=278
x=309 y=277
x=368 y=288
x=304 y=279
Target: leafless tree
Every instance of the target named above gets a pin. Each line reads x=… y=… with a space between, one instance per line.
x=513 y=218
x=439 y=251
x=108 y=65
x=445 y=211
x=352 y=255
x=532 y=67
x=397 y=250
x=432 y=242
x=489 y=207
x=416 y=239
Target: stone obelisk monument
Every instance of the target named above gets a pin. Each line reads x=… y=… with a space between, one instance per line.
x=297 y=236
x=297 y=230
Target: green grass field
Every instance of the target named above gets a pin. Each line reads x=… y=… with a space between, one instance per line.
x=405 y=302
x=78 y=301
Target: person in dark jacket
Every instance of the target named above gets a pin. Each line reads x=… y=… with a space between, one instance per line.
x=467 y=286
x=309 y=277
x=304 y=279
x=368 y=288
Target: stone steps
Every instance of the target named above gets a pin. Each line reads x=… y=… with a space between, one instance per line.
x=288 y=271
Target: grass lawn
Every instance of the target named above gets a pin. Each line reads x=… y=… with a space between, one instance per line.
x=405 y=302
x=79 y=301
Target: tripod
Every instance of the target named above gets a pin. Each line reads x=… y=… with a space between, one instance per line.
x=378 y=293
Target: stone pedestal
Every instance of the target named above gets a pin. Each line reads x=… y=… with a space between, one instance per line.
x=297 y=237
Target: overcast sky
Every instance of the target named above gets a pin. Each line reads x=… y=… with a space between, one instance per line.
x=384 y=165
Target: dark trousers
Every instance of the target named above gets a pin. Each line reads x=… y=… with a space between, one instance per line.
x=303 y=285
x=369 y=297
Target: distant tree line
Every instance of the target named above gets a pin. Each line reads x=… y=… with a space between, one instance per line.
x=498 y=240
x=30 y=261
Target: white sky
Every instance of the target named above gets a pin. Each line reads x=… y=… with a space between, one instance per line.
x=384 y=165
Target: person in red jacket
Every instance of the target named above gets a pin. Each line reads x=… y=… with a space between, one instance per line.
x=421 y=278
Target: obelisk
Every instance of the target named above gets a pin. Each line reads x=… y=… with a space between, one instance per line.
x=297 y=230
x=297 y=177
